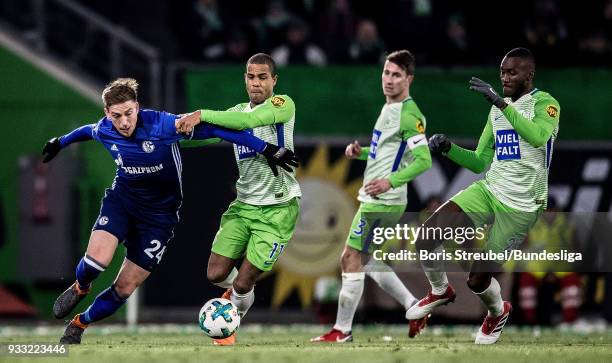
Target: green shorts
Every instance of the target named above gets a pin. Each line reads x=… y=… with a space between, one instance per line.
x=260 y=231
x=383 y=215
x=508 y=226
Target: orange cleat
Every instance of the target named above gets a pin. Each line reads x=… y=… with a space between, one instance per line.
x=227 y=294
x=231 y=340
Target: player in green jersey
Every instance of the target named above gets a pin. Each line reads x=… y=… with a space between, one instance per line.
x=517 y=144
x=397 y=154
x=260 y=222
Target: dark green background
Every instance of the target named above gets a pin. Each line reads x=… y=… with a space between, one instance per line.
x=347 y=100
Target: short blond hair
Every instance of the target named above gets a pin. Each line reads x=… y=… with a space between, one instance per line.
x=119 y=91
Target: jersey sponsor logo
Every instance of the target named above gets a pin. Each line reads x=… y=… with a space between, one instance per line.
x=277 y=101
x=135 y=170
x=245 y=152
x=148 y=146
x=552 y=111
x=374 y=144
x=507 y=145
x=420 y=127
x=103 y=221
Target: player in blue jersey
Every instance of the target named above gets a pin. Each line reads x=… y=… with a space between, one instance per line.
x=141 y=207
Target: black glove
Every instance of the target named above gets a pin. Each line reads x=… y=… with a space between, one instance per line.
x=283 y=157
x=488 y=92
x=439 y=143
x=51 y=149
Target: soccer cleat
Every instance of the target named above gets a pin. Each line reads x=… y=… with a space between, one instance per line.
x=231 y=340
x=424 y=307
x=227 y=294
x=493 y=326
x=68 y=300
x=416 y=326
x=73 y=332
x=334 y=336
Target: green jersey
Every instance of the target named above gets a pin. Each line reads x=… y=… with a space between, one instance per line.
x=272 y=121
x=518 y=144
x=398 y=151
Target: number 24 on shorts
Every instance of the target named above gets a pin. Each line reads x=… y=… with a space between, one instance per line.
x=156 y=245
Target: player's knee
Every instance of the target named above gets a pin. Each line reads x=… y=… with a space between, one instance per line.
x=350 y=261
x=242 y=286
x=215 y=275
x=478 y=282
x=125 y=288
x=344 y=260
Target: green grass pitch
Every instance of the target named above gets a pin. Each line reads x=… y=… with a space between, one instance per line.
x=269 y=344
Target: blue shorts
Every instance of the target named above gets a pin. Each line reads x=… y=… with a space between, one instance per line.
x=144 y=234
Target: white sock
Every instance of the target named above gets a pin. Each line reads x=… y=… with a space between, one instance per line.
x=243 y=301
x=434 y=271
x=388 y=280
x=492 y=298
x=229 y=280
x=350 y=294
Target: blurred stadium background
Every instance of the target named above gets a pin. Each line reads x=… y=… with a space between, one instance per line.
x=56 y=55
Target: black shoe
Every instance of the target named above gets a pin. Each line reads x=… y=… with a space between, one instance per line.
x=72 y=334
x=68 y=300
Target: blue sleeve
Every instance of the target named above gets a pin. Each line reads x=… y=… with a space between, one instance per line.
x=83 y=133
x=205 y=131
x=167 y=122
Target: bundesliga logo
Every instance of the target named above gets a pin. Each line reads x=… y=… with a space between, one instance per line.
x=148 y=146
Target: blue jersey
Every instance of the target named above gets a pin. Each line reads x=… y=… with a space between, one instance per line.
x=149 y=162
x=141 y=207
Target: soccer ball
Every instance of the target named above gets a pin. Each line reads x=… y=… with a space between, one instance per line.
x=219 y=318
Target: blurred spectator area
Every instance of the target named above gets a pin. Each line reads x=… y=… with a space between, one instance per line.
x=440 y=33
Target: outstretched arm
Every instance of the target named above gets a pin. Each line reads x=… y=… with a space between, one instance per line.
x=83 y=133
x=207 y=131
x=275 y=155
x=277 y=109
x=56 y=144
x=478 y=160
